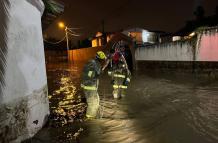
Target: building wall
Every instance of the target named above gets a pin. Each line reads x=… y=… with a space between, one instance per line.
x=149 y=37
x=95 y=42
x=98 y=41
x=142 y=36
x=24 y=107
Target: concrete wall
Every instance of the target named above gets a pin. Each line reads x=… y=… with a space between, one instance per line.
x=175 y=51
x=199 y=54
x=204 y=47
x=24 y=106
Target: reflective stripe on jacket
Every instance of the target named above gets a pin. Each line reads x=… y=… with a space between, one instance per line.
x=119 y=75
x=91 y=72
x=93 y=88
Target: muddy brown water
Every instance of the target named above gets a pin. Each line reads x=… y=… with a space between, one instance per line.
x=158 y=108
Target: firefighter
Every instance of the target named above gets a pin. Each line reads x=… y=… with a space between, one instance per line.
x=119 y=73
x=120 y=76
x=90 y=83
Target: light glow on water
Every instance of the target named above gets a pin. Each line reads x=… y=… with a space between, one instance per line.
x=157 y=109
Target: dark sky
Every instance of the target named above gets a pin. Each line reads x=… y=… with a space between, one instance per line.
x=161 y=15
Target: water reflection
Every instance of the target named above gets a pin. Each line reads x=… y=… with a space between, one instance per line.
x=203 y=118
x=157 y=109
x=65 y=99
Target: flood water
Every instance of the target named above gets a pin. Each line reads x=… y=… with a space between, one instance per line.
x=158 y=108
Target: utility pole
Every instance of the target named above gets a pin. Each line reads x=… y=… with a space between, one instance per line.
x=66 y=34
x=68 y=31
x=67 y=38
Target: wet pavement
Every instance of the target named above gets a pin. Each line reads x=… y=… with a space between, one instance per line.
x=158 y=108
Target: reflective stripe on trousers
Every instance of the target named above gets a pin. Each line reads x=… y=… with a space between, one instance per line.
x=119 y=86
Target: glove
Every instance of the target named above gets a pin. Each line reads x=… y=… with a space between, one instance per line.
x=126 y=81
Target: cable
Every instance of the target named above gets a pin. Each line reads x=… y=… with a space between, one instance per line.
x=55 y=42
x=73 y=34
x=73 y=28
x=71 y=31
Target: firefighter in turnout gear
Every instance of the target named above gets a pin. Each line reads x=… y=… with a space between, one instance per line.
x=120 y=76
x=119 y=73
x=90 y=82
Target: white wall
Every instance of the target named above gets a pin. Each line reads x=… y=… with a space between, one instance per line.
x=25 y=90
x=202 y=48
x=175 y=51
x=25 y=70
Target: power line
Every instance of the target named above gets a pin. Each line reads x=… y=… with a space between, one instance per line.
x=73 y=34
x=55 y=42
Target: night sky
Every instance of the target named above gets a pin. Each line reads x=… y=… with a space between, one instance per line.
x=154 y=15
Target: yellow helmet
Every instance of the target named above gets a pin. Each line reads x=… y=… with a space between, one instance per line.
x=101 y=55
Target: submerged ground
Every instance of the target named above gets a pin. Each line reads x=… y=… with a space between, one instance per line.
x=158 y=108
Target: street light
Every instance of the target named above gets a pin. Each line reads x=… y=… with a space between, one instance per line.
x=68 y=31
x=62 y=26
